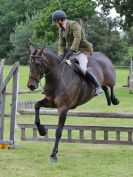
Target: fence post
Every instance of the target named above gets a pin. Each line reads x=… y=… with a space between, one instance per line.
x=131 y=77
x=14 y=104
x=2 y=100
x=13 y=73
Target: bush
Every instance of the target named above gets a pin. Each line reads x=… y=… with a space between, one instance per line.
x=20 y=41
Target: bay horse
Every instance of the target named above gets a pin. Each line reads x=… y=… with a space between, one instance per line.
x=64 y=88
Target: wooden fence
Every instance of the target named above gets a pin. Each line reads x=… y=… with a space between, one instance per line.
x=85 y=134
x=3 y=84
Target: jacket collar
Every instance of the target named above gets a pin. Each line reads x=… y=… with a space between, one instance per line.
x=66 y=28
x=67 y=25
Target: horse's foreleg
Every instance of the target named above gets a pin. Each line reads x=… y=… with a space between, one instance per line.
x=43 y=103
x=62 y=118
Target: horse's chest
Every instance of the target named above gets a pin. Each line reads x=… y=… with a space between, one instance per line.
x=49 y=90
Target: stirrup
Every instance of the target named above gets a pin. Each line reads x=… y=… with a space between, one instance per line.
x=98 y=91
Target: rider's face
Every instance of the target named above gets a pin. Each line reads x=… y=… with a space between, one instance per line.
x=59 y=23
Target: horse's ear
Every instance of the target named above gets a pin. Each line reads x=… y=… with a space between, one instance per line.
x=40 y=51
x=31 y=48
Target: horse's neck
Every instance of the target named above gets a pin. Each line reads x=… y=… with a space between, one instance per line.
x=52 y=77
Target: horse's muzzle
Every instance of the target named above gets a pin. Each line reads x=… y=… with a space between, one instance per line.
x=32 y=86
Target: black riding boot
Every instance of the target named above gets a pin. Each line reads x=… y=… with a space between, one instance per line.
x=91 y=77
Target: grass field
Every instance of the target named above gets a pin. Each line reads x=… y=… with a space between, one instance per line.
x=74 y=160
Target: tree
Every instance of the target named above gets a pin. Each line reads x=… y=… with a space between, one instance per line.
x=12 y=12
x=76 y=10
x=130 y=42
x=123 y=7
x=102 y=32
x=130 y=36
x=20 y=41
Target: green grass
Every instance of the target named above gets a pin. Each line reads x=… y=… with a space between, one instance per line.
x=74 y=160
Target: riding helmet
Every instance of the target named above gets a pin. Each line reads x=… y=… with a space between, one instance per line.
x=58 y=15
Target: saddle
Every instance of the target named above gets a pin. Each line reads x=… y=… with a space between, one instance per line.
x=73 y=62
x=74 y=65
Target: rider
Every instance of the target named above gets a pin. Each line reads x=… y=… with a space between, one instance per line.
x=71 y=41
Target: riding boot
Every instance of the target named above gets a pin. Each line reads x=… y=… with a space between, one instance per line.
x=91 y=77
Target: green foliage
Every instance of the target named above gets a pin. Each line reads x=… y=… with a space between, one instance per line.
x=76 y=9
x=130 y=36
x=16 y=29
x=12 y=12
x=33 y=6
x=123 y=7
x=102 y=32
x=20 y=41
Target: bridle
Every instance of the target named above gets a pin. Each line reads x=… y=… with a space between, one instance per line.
x=42 y=67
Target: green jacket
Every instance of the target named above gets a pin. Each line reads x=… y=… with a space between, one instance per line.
x=74 y=38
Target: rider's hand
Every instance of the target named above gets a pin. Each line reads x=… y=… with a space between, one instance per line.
x=61 y=57
x=64 y=59
x=67 y=61
x=68 y=53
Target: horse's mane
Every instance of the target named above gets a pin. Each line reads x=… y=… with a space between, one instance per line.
x=52 y=54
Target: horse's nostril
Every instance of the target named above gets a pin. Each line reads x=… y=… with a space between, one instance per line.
x=31 y=87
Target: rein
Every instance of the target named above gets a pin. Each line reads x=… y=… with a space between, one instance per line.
x=42 y=66
x=62 y=70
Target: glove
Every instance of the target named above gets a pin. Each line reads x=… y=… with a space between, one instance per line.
x=67 y=61
x=61 y=57
x=68 y=53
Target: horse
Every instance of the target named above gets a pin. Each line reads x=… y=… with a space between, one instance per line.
x=65 y=89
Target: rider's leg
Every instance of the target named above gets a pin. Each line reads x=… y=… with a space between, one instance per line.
x=91 y=77
x=83 y=61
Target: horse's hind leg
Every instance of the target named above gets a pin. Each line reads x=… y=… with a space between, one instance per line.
x=114 y=100
x=105 y=88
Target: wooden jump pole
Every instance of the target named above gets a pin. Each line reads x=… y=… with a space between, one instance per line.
x=81 y=113
x=25 y=92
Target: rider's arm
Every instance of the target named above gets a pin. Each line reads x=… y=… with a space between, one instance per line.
x=62 y=45
x=76 y=28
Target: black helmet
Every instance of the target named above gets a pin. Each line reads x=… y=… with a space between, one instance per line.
x=58 y=14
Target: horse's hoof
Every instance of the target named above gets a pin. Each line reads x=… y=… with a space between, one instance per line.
x=52 y=159
x=42 y=130
x=115 y=101
x=109 y=103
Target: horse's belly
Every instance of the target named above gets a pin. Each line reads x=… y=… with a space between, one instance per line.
x=86 y=93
